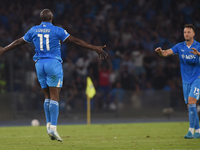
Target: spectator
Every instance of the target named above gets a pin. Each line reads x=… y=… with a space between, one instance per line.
x=68 y=71
x=126 y=79
x=81 y=66
x=80 y=85
x=116 y=96
x=138 y=57
x=159 y=79
x=104 y=85
x=122 y=25
x=127 y=63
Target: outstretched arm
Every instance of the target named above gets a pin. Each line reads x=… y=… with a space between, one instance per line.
x=99 y=49
x=13 y=45
x=164 y=53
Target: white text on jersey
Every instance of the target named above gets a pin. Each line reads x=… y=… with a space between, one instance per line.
x=43 y=30
x=188 y=56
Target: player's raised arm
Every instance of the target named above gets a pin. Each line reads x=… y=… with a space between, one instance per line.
x=164 y=53
x=99 y=49
x=13 y=45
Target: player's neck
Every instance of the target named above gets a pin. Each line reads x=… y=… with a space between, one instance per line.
x=189 y=43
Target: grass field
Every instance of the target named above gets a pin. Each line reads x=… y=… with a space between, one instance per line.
x=141 y=136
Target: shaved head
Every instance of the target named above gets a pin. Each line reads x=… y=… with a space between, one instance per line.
x=46 y=15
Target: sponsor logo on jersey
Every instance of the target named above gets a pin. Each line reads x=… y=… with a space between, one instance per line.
x=188 y=56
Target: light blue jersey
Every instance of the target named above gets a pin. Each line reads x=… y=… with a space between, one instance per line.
x=190 y=69
x=189 y=63
x=46 y=38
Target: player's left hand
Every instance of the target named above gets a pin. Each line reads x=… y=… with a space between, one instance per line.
x=195 y=51
x=1 y=52
x=102 y=54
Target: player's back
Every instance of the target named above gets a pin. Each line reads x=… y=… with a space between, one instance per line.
x=46 y=38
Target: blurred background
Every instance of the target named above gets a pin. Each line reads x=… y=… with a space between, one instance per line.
x=133 y=83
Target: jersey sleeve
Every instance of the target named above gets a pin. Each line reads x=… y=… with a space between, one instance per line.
x=175 y=48
x=28 y=36
x=62 y=34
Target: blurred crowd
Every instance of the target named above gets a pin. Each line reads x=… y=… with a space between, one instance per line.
x=131 y=29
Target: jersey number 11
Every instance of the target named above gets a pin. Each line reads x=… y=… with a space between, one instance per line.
x=41 y=41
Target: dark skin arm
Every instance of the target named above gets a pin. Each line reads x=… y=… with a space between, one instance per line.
x=99 y=49
x=13 y=45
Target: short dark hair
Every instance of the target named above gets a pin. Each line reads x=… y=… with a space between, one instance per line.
x=189 y=26
x=46 y=15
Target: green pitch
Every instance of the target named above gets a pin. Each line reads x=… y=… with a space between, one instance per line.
x=144 y=136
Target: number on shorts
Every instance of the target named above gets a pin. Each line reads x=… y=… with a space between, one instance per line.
x=196 y=90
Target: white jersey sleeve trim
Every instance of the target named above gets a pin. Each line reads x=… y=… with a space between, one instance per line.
x=66 y=37
x=25 y=40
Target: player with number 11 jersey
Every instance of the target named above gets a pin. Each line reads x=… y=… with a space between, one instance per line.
x=46 y=38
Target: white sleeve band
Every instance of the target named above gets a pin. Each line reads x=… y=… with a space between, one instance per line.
x=25 y=40
x=66 y=37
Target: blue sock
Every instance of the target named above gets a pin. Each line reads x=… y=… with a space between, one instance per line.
x=197 y=122
x=46 y=110
x=192 y=114
x=54 y=110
